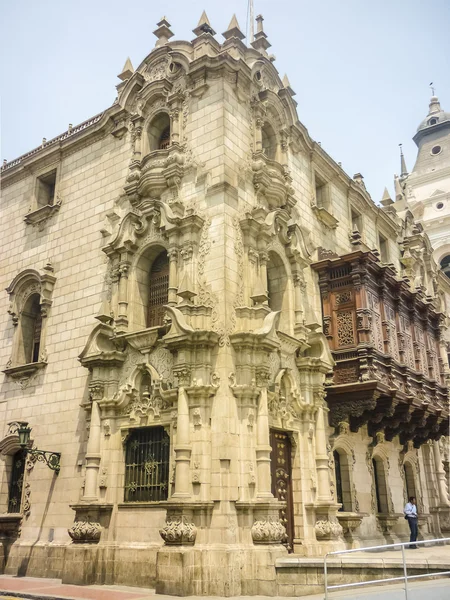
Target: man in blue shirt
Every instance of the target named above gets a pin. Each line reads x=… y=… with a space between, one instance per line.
x=410 y=511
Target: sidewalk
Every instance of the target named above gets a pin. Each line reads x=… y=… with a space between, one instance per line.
x=14 y=588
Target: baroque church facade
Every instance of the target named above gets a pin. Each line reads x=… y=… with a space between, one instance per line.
x=233 y=351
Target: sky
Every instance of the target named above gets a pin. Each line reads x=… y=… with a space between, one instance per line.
x=360 y=69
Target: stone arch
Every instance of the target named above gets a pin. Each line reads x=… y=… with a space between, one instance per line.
x=139 y=289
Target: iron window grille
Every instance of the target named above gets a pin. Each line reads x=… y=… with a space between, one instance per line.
x=147 y=459
x=16 y=482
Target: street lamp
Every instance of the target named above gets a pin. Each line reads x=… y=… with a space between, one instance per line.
x=51 y=459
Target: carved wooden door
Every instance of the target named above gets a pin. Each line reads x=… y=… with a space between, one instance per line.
x=282 y=481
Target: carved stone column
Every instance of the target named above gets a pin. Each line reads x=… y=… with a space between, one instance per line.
x=299 y=285
x=122 y=318
x=440 y=475
x=93 y=455
x=258 y=134
x=323 y=480
x=182 y=448
x=173 y=276
x=263 y=258
x=263 y=448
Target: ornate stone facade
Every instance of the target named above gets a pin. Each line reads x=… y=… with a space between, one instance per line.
x=197 y=399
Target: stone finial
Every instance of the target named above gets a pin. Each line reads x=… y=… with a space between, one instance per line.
x=435 y=105
x=398 y=188
x=259 y=295
x=127 y=70
x=261 y=42
x=287 y=85
x=185 y=290
x=204 y=26
x=403 y=169
x=233 y=31
x=359 y=179
x=163 y=32
x=386 y=200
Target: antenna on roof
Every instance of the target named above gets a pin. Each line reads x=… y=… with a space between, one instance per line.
x=432 y=88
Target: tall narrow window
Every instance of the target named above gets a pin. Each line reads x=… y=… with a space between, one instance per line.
x=383 y=244
x=337 y=470
x=380 y=485
x=31 y=327
x=158 y=290
x=16 y=482
x=409 y=480
x=356 y=221
x=322 y=192
x=45 y=190
x=147 y=465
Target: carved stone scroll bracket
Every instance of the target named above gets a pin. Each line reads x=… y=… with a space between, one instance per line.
x=268 y=531
x=179 y=531
x=85 y=532
x=328 y=529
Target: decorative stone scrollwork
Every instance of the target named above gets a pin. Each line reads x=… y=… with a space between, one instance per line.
x=326 y=530
x=268 y=531
x=178 y=531
x=26 y=508
x=85 y=532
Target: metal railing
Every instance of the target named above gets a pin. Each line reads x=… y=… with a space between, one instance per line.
x=404 y=578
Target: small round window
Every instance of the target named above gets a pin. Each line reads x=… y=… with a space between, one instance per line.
x=440 y=205
x=435 y=150
x=432 y=121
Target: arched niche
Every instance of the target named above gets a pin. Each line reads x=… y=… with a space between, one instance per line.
x=158 y=132
x=278 y=289
x=269 y=141
x=149 y=289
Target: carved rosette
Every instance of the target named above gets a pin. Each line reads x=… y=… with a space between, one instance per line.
x=327 y=530
x=268 y=531
x=178 y=531
x=85 y=532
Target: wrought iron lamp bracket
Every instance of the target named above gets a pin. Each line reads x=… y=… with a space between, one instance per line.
x=51 y=459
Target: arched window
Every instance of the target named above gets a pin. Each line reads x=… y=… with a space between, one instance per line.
x=30 y=330
x=277 y=287
x=16 y=482
x=158 y=290
x=409 y=480
x=343 y=483
x=445 y=265
x=159 y=132
x=147 y=465
x=380 y=485
x=269 y=141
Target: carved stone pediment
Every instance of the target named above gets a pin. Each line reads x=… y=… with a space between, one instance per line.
x=100 y=349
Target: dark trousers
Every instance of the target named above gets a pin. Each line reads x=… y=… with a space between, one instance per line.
x=412 y=522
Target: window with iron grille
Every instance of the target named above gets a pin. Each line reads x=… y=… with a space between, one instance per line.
x=147 y=458
x=16 y=482
x=164 y=140
x=158 y=290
